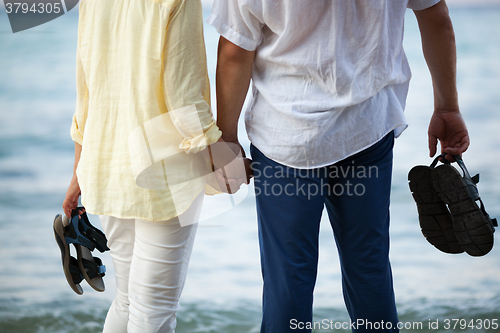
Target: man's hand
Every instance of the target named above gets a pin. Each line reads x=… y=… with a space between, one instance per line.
x=449 y=128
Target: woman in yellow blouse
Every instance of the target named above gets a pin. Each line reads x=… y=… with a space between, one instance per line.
x=143 y=109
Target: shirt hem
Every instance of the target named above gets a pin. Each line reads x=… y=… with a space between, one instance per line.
x=322 y=165
x=134 y=217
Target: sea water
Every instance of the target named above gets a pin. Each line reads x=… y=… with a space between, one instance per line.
x=435 y=292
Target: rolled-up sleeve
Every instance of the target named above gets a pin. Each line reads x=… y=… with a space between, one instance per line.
x=82 y=97
x=185 y=78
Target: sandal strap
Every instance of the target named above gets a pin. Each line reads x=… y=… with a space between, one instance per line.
x=438 y=159
x=94 y=268
x=469 y=181
x=472 y=188
x=74 y=270
x=81 y=231
x=95 y=235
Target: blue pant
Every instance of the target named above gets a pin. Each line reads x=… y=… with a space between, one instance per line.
x=290 y=202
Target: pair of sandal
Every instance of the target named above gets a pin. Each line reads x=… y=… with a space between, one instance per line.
x=451 y=213
x=85 y=238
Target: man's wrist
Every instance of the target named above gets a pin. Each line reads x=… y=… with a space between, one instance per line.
x=446 y=103
x=446 y=110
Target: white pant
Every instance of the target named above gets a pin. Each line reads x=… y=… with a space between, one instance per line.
x=151 y=261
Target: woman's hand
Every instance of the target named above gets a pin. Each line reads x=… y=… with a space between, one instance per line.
x=72 y=196
x=231 y=167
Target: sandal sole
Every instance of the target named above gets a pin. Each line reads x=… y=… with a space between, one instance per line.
x=65 y=254
x=473 y=230
x=96 y=283
x=435 y=219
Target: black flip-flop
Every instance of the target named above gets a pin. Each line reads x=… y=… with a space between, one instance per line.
x=472 y=225
x=434 y=217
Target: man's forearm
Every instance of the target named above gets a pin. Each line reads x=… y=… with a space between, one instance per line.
x=234 y=71
x=438 y=42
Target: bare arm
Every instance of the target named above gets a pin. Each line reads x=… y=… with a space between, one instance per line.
x=234 y=71
x=73 y=193
x=233 y=74
x=438 y=43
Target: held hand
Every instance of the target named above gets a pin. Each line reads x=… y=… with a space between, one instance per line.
x=232 y=168
x=72 y=196
x=449 y=128
x=232 y=176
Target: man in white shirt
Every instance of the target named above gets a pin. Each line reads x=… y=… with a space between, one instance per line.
x=329 y=82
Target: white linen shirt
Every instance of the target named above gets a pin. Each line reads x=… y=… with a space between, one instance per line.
x=330 y=78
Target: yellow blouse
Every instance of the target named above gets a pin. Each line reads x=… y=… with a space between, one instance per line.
x=143 y=107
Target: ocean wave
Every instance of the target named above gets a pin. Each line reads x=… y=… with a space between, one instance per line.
x=244 y=316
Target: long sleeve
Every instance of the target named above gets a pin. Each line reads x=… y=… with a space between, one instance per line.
x=185 y=79
x=142 y=92
x=82 y=98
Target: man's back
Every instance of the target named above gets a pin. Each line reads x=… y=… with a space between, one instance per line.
x=315 y=63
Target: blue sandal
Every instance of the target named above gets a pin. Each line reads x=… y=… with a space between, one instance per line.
x=85 y=238
x=70 y=264
x=81 y=231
